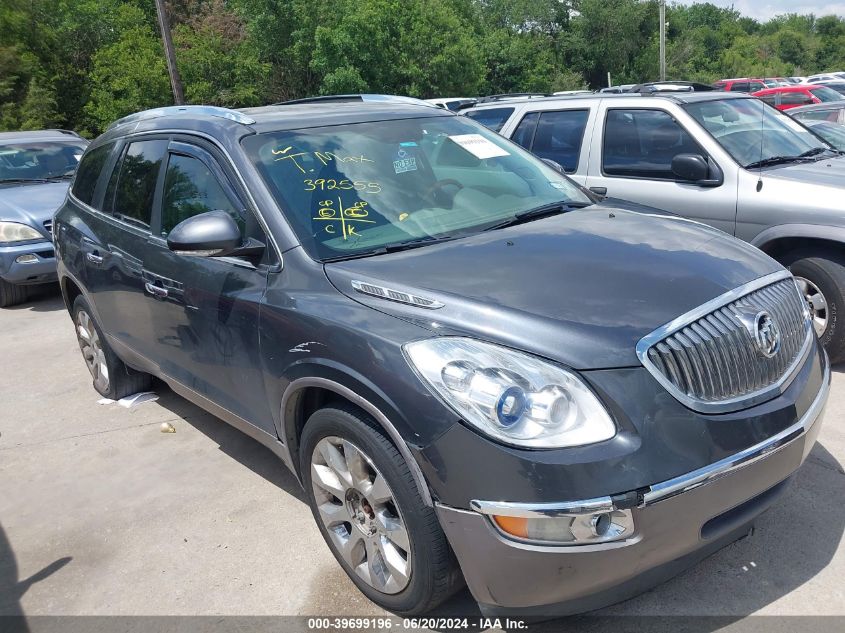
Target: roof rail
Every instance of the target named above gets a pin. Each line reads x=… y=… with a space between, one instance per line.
x=199 y=110
x=351 y=98
x=71 y=132
x=512 y=95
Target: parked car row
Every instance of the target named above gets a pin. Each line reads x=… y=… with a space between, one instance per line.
x=482 y=363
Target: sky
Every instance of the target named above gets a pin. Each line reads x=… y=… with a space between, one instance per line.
x=765 y=9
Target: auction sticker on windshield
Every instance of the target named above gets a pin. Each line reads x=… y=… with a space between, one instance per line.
x=478 y=146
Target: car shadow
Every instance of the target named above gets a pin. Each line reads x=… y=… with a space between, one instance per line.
x=12 y=588
x=839 y=369
x=239 y=446
x=792 y=542
x=41 y=298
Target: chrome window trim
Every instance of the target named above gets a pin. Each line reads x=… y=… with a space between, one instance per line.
x=733 y=404
x=677 y=485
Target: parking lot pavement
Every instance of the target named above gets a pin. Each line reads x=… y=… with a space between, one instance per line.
x=102 y=513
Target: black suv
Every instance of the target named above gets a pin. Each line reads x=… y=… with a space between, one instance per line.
x=476 y=371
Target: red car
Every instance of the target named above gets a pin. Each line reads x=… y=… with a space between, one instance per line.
x=785 y=97
x=741 y=84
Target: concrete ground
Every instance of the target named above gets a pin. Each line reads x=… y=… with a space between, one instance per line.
x=103 y=514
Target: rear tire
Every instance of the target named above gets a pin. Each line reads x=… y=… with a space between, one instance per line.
x=111 y=377
x=12 y=294
x=374 y=478
x=821 y=276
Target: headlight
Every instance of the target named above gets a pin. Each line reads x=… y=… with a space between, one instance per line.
x=513 y=397
x=11 y=232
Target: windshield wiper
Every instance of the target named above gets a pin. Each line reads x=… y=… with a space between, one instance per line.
x=392 y=248
x=19 y=180
x=536 y=213
x=783 y=160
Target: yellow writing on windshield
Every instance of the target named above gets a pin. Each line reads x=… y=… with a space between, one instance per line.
x=324 y=157
x=346 y=219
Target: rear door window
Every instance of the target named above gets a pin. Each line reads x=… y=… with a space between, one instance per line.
x=524 y=133
x=132 y=185
x=739 y=86
x=493 y=118
x=89 y=171
x=559 y=136
x=641 y=143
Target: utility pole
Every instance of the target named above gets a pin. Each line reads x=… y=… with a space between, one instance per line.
x=170 y=54
x=662 y=40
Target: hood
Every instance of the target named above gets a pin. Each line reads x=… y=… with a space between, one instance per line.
x=32 y=204
x=827 y=172
x=580 y=288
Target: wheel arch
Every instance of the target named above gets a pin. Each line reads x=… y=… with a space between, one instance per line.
x=306 y=394
x=779 y=241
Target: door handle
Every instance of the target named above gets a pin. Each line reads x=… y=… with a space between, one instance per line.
x=602 y=191
x=157 y=291
x=94 y=258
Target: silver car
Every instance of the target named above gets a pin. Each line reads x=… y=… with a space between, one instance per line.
x=727 y=160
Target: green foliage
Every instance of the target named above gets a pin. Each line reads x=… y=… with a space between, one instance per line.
x=128 y=75
x=83 y=63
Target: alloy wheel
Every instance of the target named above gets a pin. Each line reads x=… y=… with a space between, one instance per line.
x=360 y=514
x=816 y=302
x=92 y=350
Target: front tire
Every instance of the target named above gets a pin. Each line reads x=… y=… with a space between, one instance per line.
x=11 y=294
x=111 y=377
x=371 y=514
x=821 y=278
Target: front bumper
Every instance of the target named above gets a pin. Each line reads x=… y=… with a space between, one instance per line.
x=676 y=524
x=41 y=270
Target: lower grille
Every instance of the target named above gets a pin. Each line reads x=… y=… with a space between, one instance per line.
x=733 y=352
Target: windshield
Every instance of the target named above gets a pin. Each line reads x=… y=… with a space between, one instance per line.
x=39 y=160
x=737 y=125
x=354 y=189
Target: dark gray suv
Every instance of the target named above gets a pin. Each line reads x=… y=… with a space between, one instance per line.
x=477 y=372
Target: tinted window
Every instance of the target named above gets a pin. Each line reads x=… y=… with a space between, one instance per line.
x=524 y=132
x=770 y=99
x=494 y=118
x=795 y=98
x=136 y=181
x=88 y=174
x=824 y=93
x=739 y=86
x=756 y=85
x=559 y=136
x=190 y=188
x=642 y=143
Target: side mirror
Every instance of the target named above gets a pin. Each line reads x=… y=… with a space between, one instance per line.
x=690 y=167
x=211 y=234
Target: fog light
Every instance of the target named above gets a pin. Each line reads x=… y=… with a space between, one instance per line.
x=546 y=529
x=577 y=529
x=26 y=259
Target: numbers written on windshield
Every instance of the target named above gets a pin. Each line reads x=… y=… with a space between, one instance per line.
x=328 y=184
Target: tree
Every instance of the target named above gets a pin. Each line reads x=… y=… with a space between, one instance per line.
x=39 y=109
x=129 y=75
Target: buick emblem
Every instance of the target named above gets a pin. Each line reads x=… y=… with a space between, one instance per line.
x=766 y=334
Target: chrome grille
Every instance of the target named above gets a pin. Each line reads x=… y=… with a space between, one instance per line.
x=711 y=360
